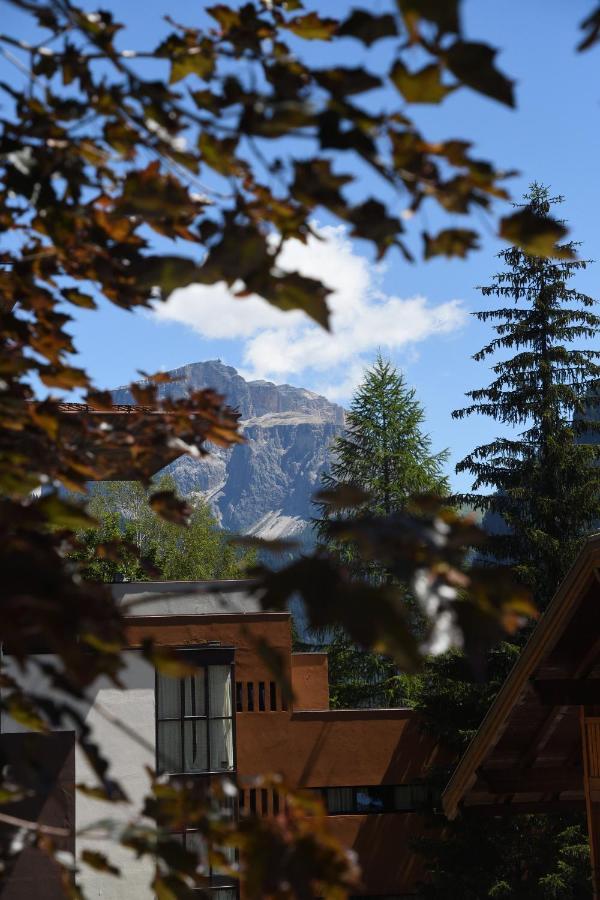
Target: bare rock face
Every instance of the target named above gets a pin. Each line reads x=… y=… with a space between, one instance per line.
x=264 y=486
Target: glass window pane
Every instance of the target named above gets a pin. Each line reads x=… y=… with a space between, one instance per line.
x=228 y=860
x=221 y=744
x=195 y=843
x=420 y=796
x=219 y=688
x=403 y=800
x=169 y=697
x=195 y=757
x=194 y=696
x=371 y=799
x=169 y=747
x=224 y=894
x=339 y=800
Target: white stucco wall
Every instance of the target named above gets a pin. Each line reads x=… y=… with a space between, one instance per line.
x=123 y=725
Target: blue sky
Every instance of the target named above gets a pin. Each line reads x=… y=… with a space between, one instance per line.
x=418 y=314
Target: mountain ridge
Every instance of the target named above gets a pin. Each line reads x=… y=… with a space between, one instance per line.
x=264 y=486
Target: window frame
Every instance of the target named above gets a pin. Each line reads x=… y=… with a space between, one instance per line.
x=228 y=883
x=202 y=658
x=389 y=800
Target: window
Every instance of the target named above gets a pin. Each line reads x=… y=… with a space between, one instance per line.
x=195 y=721
x=376 y=799
x=372 y=799
x=256 y=693
x=339 y=800
x=222 y=885
x=412 y=797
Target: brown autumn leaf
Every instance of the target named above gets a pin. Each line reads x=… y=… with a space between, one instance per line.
x=169 y=506
x=450 y=242
x=423 y=86
x=100 y=862
x=473 y=64
x=312 y=27
x=367 y=27
x=538 y=235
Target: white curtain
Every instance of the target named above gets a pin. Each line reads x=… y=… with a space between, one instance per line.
x=195 y=843
x=339 y=800
x=229 y=860
x=219 y=689
x=169 y=746
x=195 y=757
x=169 y=697
x=194 y=694
x=221 y=744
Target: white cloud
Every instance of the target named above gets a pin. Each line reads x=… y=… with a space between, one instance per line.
x=281 y=345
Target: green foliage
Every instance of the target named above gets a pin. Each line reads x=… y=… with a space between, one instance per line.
x=383 y=452
x=544 y=498
x=545 y=480
x=360 y=678
x=385 y=456
x=198 y=551
x=520 y=857
x=450 y=699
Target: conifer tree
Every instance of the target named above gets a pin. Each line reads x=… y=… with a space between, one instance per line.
x=384 y=450
x=542 y=481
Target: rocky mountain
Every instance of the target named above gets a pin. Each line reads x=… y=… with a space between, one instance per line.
x=264 y=486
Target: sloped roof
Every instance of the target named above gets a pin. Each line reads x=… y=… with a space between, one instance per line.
x=526 y=755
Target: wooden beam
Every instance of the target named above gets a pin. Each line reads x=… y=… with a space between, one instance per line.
x=557 y=712
x=589 y=657
x=590 y=740
x=543 y=735
x=543 y=780
x=567 y=692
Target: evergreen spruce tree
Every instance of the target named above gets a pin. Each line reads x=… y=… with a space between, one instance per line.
x=543 y=481
x=542 y=499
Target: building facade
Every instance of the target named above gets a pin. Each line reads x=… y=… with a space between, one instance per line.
x=229 y=719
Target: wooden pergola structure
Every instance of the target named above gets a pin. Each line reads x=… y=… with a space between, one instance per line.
x=538 y=748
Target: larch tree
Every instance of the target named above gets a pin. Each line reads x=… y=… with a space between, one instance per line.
x=385 y=454
x=384 y=450
x=542 y=480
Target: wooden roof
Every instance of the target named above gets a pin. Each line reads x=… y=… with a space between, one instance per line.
x=526 y=755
